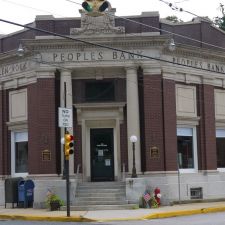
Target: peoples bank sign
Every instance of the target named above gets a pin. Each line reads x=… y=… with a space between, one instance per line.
x=64 y=58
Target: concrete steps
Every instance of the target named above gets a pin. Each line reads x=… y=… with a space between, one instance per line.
x=101 y=195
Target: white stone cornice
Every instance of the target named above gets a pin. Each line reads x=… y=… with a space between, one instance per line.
x=138 y=40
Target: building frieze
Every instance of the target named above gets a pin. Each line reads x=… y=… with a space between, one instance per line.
x=205 y=54
x=136 y=40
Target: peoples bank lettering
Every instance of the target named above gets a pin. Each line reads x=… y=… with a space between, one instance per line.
x=200 y=64
x=95 y=56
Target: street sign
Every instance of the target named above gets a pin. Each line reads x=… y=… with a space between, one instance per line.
x=65 y=117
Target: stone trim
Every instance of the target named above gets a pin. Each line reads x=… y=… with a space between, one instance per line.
x=192 y=121
x=20 y=125
x=108 y=107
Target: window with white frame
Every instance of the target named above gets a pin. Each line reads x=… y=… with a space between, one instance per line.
x=19 y=141
x=220 y=148
x=187 y=148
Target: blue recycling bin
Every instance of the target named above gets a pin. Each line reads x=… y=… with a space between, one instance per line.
x=26 y=193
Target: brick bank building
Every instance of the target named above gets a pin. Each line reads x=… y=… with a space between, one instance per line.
x=175 y=105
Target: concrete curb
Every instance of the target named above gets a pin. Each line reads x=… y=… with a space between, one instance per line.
x=167 y=214
x=86 y=219
x=184 y=212
x=46 y=218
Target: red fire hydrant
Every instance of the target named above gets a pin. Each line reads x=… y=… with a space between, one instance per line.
x=157 y=195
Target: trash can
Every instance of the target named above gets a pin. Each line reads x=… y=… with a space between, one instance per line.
x=26 y=193
x=11 y=190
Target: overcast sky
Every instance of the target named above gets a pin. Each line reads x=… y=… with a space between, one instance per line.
x=25 y=11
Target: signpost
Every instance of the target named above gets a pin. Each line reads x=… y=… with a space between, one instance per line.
x=66 y=121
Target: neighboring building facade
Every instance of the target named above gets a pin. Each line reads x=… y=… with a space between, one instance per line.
x=173 y=101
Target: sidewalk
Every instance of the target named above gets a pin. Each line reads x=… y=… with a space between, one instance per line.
x=111 y=215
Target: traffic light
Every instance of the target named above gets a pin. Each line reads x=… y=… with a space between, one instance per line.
x=68 y=145
x=95 y=6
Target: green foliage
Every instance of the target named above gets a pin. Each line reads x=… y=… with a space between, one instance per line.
x=51 y=197
x=173 y=19
x=220 y=21
x=154 y=203
x=135 y=207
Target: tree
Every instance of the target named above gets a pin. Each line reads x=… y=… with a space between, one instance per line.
x=220 y=21
x=173 y=19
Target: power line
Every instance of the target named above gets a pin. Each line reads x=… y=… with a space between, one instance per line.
x=29 y=7
x=105 y=46
x=173 y=7
x=146 y=25
x=158 y=29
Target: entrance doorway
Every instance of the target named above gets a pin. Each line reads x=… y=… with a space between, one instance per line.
x=102 y=154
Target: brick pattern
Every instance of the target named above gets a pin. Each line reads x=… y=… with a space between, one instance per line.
x=42 y=126
x=170 y=135
x=206 y=131
x=77 y=143
x=153 y=112
x=1 y=132
x=142 y=118
x=123 y=143
x=5 y=147
x=12 y=42
x=194 y=31
x=131 y=27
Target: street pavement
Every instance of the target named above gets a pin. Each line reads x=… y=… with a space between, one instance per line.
x=110 y=215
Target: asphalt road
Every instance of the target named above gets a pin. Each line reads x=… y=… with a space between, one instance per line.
x=202 y=219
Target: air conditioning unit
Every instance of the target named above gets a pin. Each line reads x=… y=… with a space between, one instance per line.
x=196 y=193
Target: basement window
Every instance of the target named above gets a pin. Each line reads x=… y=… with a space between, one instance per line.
x=196 y=193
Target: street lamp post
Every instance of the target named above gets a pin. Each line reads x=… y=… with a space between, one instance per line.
x=133 y=140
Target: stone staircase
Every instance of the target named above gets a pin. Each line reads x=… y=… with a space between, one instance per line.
x=101 y=195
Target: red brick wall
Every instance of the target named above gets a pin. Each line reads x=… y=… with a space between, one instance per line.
x=207 y=133
x=123 y=142
x=42 y=125
x=77 y=143
x=170 y=134
x=153 y=112
x=1 y=132
x=5 y=149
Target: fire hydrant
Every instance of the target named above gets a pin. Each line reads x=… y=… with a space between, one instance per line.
x=157 y=195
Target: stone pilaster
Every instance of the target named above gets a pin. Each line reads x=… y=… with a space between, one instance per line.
x=133 y=117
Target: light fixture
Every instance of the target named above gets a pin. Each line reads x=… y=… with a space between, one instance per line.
x=171 y=45
x=133 y=140
x=20 y=50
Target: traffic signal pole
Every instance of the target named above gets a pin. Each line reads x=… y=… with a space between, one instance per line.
x=66 y=167
x=67 y=187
